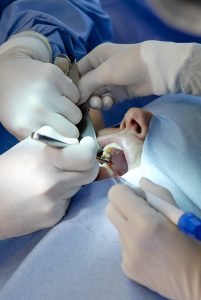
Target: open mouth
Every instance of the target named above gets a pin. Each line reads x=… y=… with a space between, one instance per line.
x=122 y=149
x=114 y=154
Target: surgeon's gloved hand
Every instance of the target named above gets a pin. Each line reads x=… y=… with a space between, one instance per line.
x=37 y=182
x=154 y=252
x=113 y=72
x=34 y=92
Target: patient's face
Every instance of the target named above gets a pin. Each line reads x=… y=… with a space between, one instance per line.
x=127 y=140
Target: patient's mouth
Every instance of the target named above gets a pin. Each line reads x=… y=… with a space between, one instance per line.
x=123 y=149
x=117 y=160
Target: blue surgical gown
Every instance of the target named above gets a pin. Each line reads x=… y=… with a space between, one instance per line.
x=72 y=27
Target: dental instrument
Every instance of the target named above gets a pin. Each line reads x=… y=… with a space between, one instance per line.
x=51 y=138
x=186 y=222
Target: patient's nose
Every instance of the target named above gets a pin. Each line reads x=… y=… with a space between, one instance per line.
x=137 y=120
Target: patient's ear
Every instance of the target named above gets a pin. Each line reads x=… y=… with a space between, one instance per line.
x=137 y=120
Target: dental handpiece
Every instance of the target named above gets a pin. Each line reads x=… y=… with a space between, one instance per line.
x=48 y=140
x=50 y=137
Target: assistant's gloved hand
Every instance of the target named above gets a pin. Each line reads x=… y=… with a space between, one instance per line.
x=34 y=92
x=155 y=253
x=113 y=72
x=37 y=182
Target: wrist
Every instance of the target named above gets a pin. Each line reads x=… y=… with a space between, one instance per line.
x=28 y=43
x=164 y=61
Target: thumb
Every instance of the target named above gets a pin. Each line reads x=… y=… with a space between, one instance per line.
x=94 y=80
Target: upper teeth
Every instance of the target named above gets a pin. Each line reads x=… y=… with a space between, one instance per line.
x=107 y=149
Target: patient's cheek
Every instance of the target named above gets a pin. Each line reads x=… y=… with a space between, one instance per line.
x=104 y=173
x=119 y=163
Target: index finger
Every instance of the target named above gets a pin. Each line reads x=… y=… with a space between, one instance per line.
x=94 y=80
x=93 y=59
x=64 y=84
x=98 y=55
x=127 y=202
x=157 y=190
x=78 y=157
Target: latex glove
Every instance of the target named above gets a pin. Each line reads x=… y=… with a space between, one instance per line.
x=113 y=72
x=37 y=182
x=34 y=92
x=155 y=253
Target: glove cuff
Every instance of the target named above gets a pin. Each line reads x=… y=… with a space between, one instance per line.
x=32 y=44
x=164 y=61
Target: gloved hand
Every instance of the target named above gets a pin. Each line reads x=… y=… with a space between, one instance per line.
x=113 y=72
x=33 y=91
x=155 y=253
x=37 y=182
